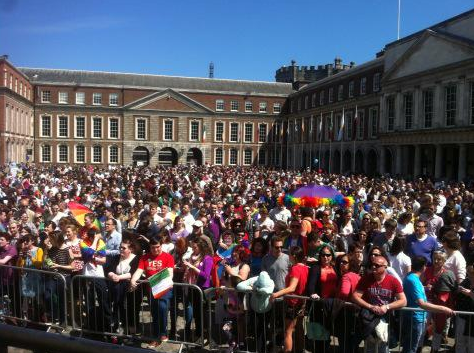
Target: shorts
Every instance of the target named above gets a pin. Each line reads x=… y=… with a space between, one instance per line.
x=293 y=312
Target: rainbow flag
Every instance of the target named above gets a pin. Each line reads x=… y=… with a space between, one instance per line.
x=160 y=283
x=79 y=211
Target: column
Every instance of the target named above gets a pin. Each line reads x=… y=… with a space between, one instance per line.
x=382 y=160
x=417 y=162
x=398 y=159
x=462 y=162
x=438 y=161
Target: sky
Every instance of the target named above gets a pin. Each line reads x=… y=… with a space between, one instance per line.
x=245 y=39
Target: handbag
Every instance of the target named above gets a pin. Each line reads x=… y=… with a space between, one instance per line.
x=315 y=330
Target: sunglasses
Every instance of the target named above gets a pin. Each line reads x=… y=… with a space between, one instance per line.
x=326 y=255
x=344 y=262
x=278 y=247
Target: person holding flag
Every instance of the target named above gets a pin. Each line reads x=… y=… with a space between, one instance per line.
x=157 y=266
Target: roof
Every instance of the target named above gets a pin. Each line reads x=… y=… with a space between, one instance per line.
x=433 y=27
x=340 y=75
x=145 y=81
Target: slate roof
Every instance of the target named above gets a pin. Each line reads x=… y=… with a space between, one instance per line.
x=127 y=80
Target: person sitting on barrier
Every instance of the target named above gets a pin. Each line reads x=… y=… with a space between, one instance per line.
x=377 y=292
x=414 y=321
x=465 y=322
x=94 y=256
x=58 y=260
x=125 y=304
x=150 y=264
x=198 y=272
x=295 y=284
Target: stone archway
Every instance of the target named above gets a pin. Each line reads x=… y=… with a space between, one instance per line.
x=168 y=156
x=194 y=156
x=359 y=162
x=141 y=156
x=372 y=162
x=347 y=162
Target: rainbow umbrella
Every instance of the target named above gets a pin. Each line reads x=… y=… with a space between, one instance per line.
x=315 y=196
x=79 y=212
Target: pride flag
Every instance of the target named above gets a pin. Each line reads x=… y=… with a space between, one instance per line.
x=160 y=283
x=79 y=211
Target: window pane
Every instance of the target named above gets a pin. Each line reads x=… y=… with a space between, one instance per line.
x=450 y=98
x=80 y=154
x=97 y=154
x=262 y=133
x=168 y=130
x=194 y=131
x=114 y=128
x=46 y=126
x=219 y=156
x=234 y=132
x=113 y=154
x=248 y=106
x=46 y=153
x=219 y=132
x=97 y=127
x=63 y=126
x=63 y=154
x=428 y=108
x=97 y=98
x=141 y=129
x=80 y=126
x=408 y=109
x=80 y=98
x=248 y=136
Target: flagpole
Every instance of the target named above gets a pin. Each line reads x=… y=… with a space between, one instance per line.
x=274 y=144
x=398 y=20
x=294 y=147
x=311 y=143
x=241 y=141
x=281 y=143
x=354 y=128
x=330 y=141
x=342 y=139
x=287 y=142
x=320 y=139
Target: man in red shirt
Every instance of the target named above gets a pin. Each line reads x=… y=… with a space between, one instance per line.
x=379 y=292
x=150 y=264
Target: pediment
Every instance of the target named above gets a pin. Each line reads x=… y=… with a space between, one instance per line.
x=432 y=50
x=168 y=100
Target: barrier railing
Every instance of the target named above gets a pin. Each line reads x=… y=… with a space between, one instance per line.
x=33 y=297
x=100 y=306
x=216 y=318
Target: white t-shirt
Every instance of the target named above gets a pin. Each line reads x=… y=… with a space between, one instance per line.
x=400 y=263
x=457 y=264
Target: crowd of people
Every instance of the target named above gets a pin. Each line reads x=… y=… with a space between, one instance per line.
x=402 y=243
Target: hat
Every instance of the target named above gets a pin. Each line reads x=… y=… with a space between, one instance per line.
x=198 y=224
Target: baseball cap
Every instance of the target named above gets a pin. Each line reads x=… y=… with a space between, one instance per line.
x=198 y=224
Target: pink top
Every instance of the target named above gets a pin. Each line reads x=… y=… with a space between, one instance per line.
x=348 y=285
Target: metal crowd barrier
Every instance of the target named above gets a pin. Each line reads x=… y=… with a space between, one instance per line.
x=101 y=307
x=33 y=298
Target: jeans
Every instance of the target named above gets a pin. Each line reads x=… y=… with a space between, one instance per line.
x=55 y=300
x=159 y=313
x=99 y=318
x=411 y=340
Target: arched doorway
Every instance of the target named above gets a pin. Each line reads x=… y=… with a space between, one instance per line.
x=194 y=157
x=359 y=165
x=336 y=162
x=388 y=161
x=141 y=156
x=168 y=156
x=371 y=163
x=347 y=162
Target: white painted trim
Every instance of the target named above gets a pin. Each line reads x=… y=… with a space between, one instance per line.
x=113 y=105
x=101 y=98
x=230 y=131
x=244 y=132
x=266 y=135
x=199 y=130
x=57 y=126
x=118 y=127
x=75 y=126
x=164 y=129
x=58 y=154
x=75 y=153
x=137 y=118
x=59 y=97
x=101 y=127
x=84 y=94
x=118 y=154
x=215 y=155
x=41 y=124
x=237 y=159
x=223 y=131
x=101 y=154
x=251 y=156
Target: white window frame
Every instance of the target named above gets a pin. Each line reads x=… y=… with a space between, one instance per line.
x=456 y=108
x=43 y=94
x=237 y=156
x=101 y=127
x=41 y=127
x=198 y=132
x=262 y=107
x=389 y=117
x=75 y=153
x=220 y=102
x=109 y=148
x=222 y=157
x=101 y=154
x=58 y=126
x=266 y=132
x=376 y=82
x=234 y=106
x=248 y=106
x=109 y=127
x=248 y=123
x=58 y=154
x=215 y=131
x=277 y=108
x=424 y=101
x=50 y=154
x=75 y=126
x=164 y=130
x=79 y=100
x=94 y=95
x=231 y=124
x=137 y=119
x=63 y=97
x=244 y=161
x=116 y=96
x=408 y=109
x=363 y=86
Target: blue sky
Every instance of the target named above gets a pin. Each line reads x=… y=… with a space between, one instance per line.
x=245 y=39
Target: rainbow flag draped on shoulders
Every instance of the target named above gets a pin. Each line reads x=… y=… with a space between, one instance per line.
x=88 y=252
x=160 y=283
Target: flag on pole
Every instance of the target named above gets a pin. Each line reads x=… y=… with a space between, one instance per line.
x=341 y=128
x=204 y=133
x=320 y=129
x=331 y=127
x=354 y=125
x=160 y=283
